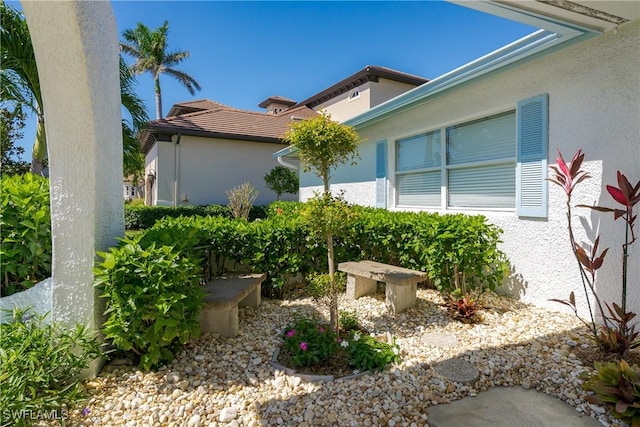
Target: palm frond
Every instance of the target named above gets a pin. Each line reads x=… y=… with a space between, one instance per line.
x=185 y=79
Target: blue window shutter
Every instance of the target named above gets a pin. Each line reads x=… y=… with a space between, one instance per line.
x=381 y=174
x=532 y=147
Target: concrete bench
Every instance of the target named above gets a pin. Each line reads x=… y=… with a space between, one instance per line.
x=223 y=296
x=401 y=283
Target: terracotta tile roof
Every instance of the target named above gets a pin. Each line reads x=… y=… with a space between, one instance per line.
x=278 y=100
x=193 y=106
x=225 y=122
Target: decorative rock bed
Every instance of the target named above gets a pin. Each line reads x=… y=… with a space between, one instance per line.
x=229 y=381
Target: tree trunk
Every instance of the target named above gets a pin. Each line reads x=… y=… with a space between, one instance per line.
x=39 y=148
x=333 y=304
x=158 y=99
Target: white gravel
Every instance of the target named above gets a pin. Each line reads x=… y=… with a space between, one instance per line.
x=216 y=381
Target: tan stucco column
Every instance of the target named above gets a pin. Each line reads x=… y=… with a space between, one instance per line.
x=76 y=47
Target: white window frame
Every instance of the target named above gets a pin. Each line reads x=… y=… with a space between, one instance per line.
x=444 y=168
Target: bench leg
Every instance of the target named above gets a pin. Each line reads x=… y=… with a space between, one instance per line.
x=223 y=321
x=399 y=297
x=253 y=299
x=358 y=286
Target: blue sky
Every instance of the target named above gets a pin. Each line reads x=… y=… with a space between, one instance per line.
x=243 y=52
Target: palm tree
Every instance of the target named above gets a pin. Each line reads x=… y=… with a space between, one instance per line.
x=133 y=159
x=20 y=85
x=149 y=48
x=20 y=88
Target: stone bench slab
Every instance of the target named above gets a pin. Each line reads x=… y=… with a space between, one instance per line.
x=383 y=272
x=223 y=296
x=401 y=283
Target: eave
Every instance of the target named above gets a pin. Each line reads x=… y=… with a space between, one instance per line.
x=554 y=35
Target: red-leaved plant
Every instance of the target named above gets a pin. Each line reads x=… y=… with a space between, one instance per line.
x=617 y=334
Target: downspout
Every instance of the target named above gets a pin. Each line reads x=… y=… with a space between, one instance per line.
x=176 y=171
x=287 y=165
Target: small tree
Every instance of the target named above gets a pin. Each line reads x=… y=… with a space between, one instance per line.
x=281 y=180
x=322 y=145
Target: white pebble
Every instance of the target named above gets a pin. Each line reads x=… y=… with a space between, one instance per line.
x=227 y=414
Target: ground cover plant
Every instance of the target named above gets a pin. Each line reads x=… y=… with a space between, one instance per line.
x=25 y=220
x=616 y=385
x=40 y=364
x=311 y=345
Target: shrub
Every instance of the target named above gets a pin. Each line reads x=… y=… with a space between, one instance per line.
x=40 y=365
x=139 y=217
x=241 y=200
x=25 y=220
x=153 y=300
x=618 y=386
x=281 y=180
x=282 y=245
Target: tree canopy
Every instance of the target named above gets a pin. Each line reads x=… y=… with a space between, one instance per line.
x=149 y=49
x=323 y=144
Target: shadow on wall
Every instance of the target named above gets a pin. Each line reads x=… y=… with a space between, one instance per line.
x=514 y=285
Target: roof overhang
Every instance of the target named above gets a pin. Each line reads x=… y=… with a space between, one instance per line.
x=151 y=135
x=553 y=35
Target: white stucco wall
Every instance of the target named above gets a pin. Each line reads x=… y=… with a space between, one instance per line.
x=594 y=104
x=77 y=50
x=207 y=168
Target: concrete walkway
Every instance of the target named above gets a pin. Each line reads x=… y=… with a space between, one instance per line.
x=509 y=407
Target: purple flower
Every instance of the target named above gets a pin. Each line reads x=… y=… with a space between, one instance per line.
x=321 y=329
x=86 y=412
x=291 y=333
x=303 y=346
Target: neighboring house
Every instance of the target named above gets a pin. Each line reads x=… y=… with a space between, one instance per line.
x=130 y=191
x=479 y=140
x=203 y=148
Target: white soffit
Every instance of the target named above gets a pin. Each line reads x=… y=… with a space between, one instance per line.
x=599 y=15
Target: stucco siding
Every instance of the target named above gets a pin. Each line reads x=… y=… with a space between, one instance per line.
x=207 y=168
x=165 y=173
x=594 y=104
x=342 y=108
x=386 y=89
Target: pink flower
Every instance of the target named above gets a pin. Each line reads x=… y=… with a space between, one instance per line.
x=321 y=329
x=303 y=346
x=291 y=333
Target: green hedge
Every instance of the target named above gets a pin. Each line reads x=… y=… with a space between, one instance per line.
x=25 y=221
x=140 y=217
x=458 y=251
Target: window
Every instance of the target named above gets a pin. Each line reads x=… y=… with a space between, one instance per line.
x=418 y=170
x=481 y=163
x=355 y=94
x=477 y=170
